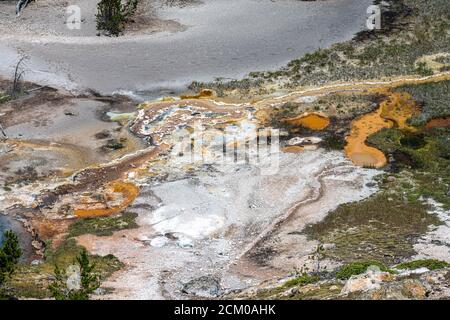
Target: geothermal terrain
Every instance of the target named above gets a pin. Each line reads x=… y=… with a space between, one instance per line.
x=229 y=149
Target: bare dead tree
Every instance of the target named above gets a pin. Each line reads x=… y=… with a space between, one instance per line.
x=17 y=80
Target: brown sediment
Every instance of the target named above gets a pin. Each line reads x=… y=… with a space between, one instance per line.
x=313 y=121
x=76 y=157
x=97 y=176
x=293 y=149
x=94 y=178
x=356 y=148
x=50 y=229
x=438 y=123
x=128 y=191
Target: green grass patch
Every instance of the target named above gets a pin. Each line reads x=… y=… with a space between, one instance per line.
x=381 y=228
x=430 y=264
x=356 y=268
x=386 y=226
x=426 y=158
x=4 y=97
x=301 y=280
x=434 y=99
x=32 y=281
x=103 y=226
x=275 y=293
x=66 y=253
x=334 y=142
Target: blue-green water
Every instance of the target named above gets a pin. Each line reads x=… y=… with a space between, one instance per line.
x=3 y=227
x=8 y=223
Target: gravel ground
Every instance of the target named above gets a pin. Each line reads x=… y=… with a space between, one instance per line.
x=202 y=226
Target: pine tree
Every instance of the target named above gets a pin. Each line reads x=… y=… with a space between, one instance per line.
x=10 y=253
x=112 y=15
x=88 y=284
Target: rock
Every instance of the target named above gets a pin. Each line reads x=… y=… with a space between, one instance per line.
x=391 y=179
x=291 y=292
x=47 y=199
x=370 y=280
x=38 y=245
x=73 y=277
x=416 y=271
x=437 y=283
x=413 y=289
x=309 y=287
x=36 y=262
x=328 y=246
x=295 y=141
x=159 y=242
x=99 y=291
x=204 y=286
x=334 y=288
x=143 y=238
x=5 y=148
x=185 y=242
x=307 y=99
x=306 y=140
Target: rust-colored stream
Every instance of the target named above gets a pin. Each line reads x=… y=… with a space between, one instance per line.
x=394 y=111
x=356 y=148
x=128 y=191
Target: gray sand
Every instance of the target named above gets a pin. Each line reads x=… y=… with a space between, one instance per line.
x=222 y=38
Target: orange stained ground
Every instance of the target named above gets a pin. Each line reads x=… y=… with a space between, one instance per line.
x=356 y=148
x=129 y=192
x=395 y=110
x=313 y=121
x=438 y=123
x=293 y=149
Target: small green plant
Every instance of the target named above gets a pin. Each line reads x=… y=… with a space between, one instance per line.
x=302 y=280
x=89 y=281
x=114 y=145
x=103 y=226
x=356 y=268
x=430 y=264
x=112 y=15
x=423 y=70
x=334 y=142
x=10 y=253
x=4 y=97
